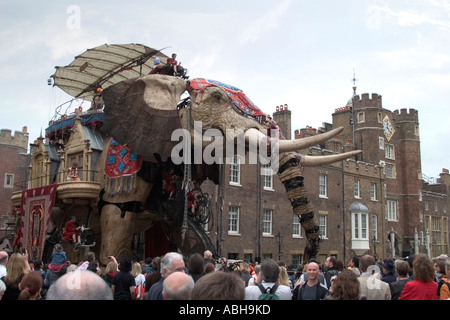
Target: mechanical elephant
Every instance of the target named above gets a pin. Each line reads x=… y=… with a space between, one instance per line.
x=144 y=113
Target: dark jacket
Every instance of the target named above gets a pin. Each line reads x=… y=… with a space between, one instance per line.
x=329 y=274
x=155 y=292
x=389 y=278
x=397 y=288
x=297 y=293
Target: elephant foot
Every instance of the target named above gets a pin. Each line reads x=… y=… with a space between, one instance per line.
x=118 y=231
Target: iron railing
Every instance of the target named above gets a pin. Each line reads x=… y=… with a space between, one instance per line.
x=61 y=176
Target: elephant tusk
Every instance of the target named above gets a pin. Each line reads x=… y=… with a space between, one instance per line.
x=299 y=144
x=312 y=161
x=254 y=135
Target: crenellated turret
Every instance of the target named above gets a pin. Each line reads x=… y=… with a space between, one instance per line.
x=367 y=101
x=19 y=139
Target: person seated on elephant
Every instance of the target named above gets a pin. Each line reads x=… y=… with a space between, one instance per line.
x=170 y=183
x=97 y=100
x=157 y=68
x=194 y=197
x=71 y=232
x=174 y=63
x=191 y=201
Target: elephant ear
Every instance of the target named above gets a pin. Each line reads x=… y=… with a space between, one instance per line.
x=142 y=113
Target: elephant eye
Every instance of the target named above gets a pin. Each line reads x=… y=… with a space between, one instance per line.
x=216 y=96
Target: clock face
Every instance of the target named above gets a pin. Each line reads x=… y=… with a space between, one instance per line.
x=388 y=128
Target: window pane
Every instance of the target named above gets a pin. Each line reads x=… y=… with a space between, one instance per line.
x=364 y=226
x=323 y=226
x=296 y=226
x=9 y=180
x=374 y=227
x=373 y=191
x=235 y=170
x=322 y=185
x=233 y=219
x=391 y=209
x=356 y=190
x=356 y=228
x=267 y=221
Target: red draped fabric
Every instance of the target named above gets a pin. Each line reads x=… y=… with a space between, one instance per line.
x=237 y=96
x=36 y=207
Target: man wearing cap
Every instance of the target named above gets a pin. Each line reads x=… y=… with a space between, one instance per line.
x=388 y=271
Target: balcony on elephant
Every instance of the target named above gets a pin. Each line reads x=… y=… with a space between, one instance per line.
x=70 y=161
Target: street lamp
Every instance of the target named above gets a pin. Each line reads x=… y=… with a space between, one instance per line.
x=392 y=238
x=280 y=239
x=375 y=242
x=427 y=242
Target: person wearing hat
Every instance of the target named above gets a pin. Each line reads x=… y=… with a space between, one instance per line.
x=147 y=268
x=443 y=257
x=388 y=271
x=157 y=67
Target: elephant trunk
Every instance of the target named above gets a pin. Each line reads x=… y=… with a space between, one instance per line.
x=291 y=176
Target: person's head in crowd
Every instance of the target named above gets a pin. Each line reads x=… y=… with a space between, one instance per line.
x=80 y=285
x=30 y=286
x=178 y=286
x=219 y=285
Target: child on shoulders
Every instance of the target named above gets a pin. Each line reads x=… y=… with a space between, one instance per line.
x=59 y=258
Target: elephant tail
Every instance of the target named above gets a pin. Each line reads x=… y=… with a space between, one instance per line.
x=291 y=176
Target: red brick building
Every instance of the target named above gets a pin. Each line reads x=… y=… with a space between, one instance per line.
x=376 y=202
x=15 y=162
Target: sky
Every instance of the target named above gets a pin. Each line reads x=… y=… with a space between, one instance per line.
x=301 y=53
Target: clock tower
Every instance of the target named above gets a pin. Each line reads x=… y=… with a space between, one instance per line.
x=390 y=163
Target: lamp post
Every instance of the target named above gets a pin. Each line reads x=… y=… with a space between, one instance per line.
x=279 y=238
x=427 y=242
x=375 y=242
x=392 y=238
x=416 y=241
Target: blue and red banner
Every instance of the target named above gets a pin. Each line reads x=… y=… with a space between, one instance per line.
x=121 y=168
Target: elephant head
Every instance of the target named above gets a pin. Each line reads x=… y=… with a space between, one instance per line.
x=144 y=112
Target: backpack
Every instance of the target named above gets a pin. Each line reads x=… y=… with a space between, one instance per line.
x=440 y=284
x=139 y=292
x=268 y=293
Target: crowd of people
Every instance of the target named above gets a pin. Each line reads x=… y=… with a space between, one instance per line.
x=200 y=277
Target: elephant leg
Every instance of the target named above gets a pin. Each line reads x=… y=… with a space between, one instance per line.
x=291 y=176
x=118 y=231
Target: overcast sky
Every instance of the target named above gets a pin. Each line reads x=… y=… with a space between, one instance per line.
x=300 y=53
